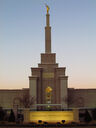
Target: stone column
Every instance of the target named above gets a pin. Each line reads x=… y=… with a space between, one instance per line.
x=33 y=90
x=76 y=115
x=63 y=91
x=47 y=35
x=26 y=113
x=47 y=20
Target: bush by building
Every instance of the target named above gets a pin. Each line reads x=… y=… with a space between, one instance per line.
x=2 y=114
x=11 y=116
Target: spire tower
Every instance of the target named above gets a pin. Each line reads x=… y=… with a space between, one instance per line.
x=47 y=32
x=48 y=75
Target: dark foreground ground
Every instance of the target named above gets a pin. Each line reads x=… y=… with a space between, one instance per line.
x=46 y=125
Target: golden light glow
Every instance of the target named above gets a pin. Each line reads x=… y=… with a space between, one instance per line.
x=52 y=116
x=48 y=89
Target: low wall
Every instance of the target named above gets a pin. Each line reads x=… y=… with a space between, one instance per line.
x=51 y=116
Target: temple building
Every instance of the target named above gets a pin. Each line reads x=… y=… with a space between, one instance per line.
x=48 y=85
x=48 y=75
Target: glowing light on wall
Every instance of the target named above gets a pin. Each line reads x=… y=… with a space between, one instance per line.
x=52 y=116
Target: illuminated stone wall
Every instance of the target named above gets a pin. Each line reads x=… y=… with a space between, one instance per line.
x=9 y=98
x=77 y=97
x=51 y=116
x=82 y=98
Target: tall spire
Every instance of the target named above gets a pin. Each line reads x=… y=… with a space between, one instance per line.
x=47 y=32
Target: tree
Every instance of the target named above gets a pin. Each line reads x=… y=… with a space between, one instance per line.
x=68 y=99
x=2 y=114
x=94 y=114
x=11 y=116
x=87 y=117
x=27 y=101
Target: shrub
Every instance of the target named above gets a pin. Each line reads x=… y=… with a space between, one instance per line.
x=11 y=116
x=87 y=117
x=94 y=114
x=2 y=114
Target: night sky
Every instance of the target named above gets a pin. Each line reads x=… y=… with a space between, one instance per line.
x=22 y=39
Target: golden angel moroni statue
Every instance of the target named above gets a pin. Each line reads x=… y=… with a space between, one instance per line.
x=47 y=8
